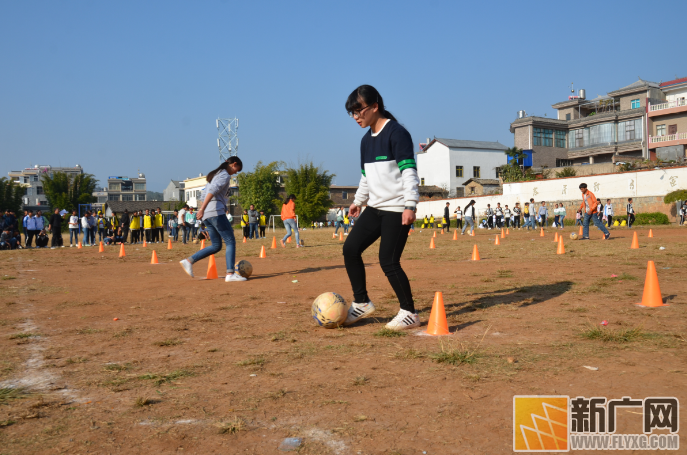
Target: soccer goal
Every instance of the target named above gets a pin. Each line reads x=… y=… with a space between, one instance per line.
x=272 y=218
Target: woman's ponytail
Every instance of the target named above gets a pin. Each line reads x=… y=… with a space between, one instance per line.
x=225 y=165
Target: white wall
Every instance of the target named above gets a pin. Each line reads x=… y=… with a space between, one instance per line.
x=628 y=184
x=438 y=165
x=677 y=93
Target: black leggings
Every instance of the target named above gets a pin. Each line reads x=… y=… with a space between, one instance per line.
x=516 y=221
x=372 y=225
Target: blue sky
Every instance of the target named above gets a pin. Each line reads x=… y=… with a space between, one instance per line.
x=123 y=86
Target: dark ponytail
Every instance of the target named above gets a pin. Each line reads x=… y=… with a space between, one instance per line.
x=369 y=95
x=289 y=197
x=225 y=165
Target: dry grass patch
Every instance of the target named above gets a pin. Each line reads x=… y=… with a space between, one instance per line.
x=168 y=342
x=231 y=427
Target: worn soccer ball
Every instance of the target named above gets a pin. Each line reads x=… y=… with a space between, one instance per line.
x=244 y=268
x=574 y=236
x=302 y=242
x=329 y=310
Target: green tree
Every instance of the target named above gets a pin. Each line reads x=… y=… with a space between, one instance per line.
x=675 y=196
x=66 y=192
x=311 y=185
x=260 y=187
x=10 y=195
x=566 y=172
x=512 y=172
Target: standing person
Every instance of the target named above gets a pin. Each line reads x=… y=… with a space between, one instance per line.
x=173 y=224
x=469 y=217
x=507 y=215
x=589 y=208
x=425 y=222
x=40 y=225
x=431 y=221
x=516 y=216
x=159 y=234
x=92 y=227
x=599 y=209
x=27 y=216
x=347 y=222
x=262 y=223
x=148 y=226
x=126 y=222
x=608 y=212
x=391 y=194
x=253 y=216
x=245 y=227
x=533 y=214
x=189 y=223
x=459 y=217
x=561 y=215
x=135 y=233
x=447 y=217
x=56 y=227
x=73 y=229
x=213 y=213
x=543 y=214
x=498 y=215
x=630 y=213
x=181 y=223
x=526 y=214
x=141 y=228
x=339 y=220
x=288 y=216
x=490 y=217
x=100 y=223
x=555 y=215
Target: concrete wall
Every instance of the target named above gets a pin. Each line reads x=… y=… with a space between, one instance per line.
x=647 y=188
x=679 y=119
x=523 y=137
x=673 y=95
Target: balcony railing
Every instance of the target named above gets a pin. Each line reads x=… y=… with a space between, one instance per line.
x=667 y=138
x=668 y=105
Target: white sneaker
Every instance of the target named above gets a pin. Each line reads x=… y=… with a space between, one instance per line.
x=71 y=246
x=187 y=266
x=234 y=277
x=358 y=311
x=404 y=320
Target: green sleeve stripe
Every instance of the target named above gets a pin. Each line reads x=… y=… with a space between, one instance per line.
x=379 y=158
x=407 y=166
x=410 y=161
x=363 y=171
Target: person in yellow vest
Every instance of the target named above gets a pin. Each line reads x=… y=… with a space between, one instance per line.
x=262 y=223
x=425 y=222
x=431 y=221
x=347 y=223
x=159 y=226
x=114 y=222
x=244 y=223
x=134 y=226
x=148 y=222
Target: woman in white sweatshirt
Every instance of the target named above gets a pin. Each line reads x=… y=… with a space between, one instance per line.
x=389 y=188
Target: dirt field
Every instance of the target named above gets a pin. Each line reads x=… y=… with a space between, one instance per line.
x=204 y=367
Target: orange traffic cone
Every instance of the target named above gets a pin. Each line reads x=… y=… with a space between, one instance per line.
x=472 y=233
x=555 y=236
x=153 y=259
x=442 y=231
x=102 y=248
x=651 y=233
x=341 y=236
x=437 y=324
x=262 y=252
x=431 y=244
x=244 y=239
x=274 y=243
x=212 y=268
x=497 y=242
x=507 y=231
x=652 y=291
x=288 y=240
x=580 y=233
x=435 y=234
x=202 y=244
x=475 y=254
x=503 y=234
x=542 y=233
x=455 y=234
x=121 y=251
x=144 y=242
x=635 y=242
x=333 y=235
x=561 y=247
x=169 y=244
x=79 y=246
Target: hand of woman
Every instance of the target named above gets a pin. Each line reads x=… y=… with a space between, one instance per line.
x=408 y=217
x=199 y=214
x=353 y=211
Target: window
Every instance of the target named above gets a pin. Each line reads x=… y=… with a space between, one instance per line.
x=630 y=130
x=422 y=182
x=102 y=199
x=35 y=178
x=127 y=185
x=29 y=191
x=113 y=197
x=127 y=197
x=459 y=171
x=661 y=130
x=567 y=116
x=139 y=186
x=26 y=180
x=475 y=172
x=140 y=197
x=543 y=137
x=635 y=104
x=114 y=186
x=344 y=195
x=498 y=172
x=594 y=135
x=197 y=194
x=560 y=139
x=563 y=163
x=39 y=190
x=460 y=191
x=472 y=190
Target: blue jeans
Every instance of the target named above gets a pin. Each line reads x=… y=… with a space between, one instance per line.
x=468 y=221
x=597 y=223
x=218 y=228
x=86 y=236
x=175 y=233
x=290 y=225
x=73 y=234
x=187 y=233
x=345 y=227
x=253 y=230
x=339 y=224
x=560 y=220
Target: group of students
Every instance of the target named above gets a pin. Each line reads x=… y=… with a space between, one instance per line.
x=253 y=223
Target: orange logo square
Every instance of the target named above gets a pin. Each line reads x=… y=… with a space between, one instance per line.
x=540 y=423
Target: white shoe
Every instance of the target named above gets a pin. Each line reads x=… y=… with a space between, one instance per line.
x=358 y=311
x=71 y=246
x=234 y=277
x=404 y=320
x=187 y=266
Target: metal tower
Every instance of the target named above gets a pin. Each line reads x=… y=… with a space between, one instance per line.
x=228 y=139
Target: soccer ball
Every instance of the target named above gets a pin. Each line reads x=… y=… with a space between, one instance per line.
x=302 y=242
x=244 y=268
x=573 y=236
x=329 y=310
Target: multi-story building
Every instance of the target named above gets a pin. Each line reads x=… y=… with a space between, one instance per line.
x=30 y=179
x=100 y=198
x=121 y=188
x=606 y=129
x=174 y=191
x=667 y=123
x=447 y=163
